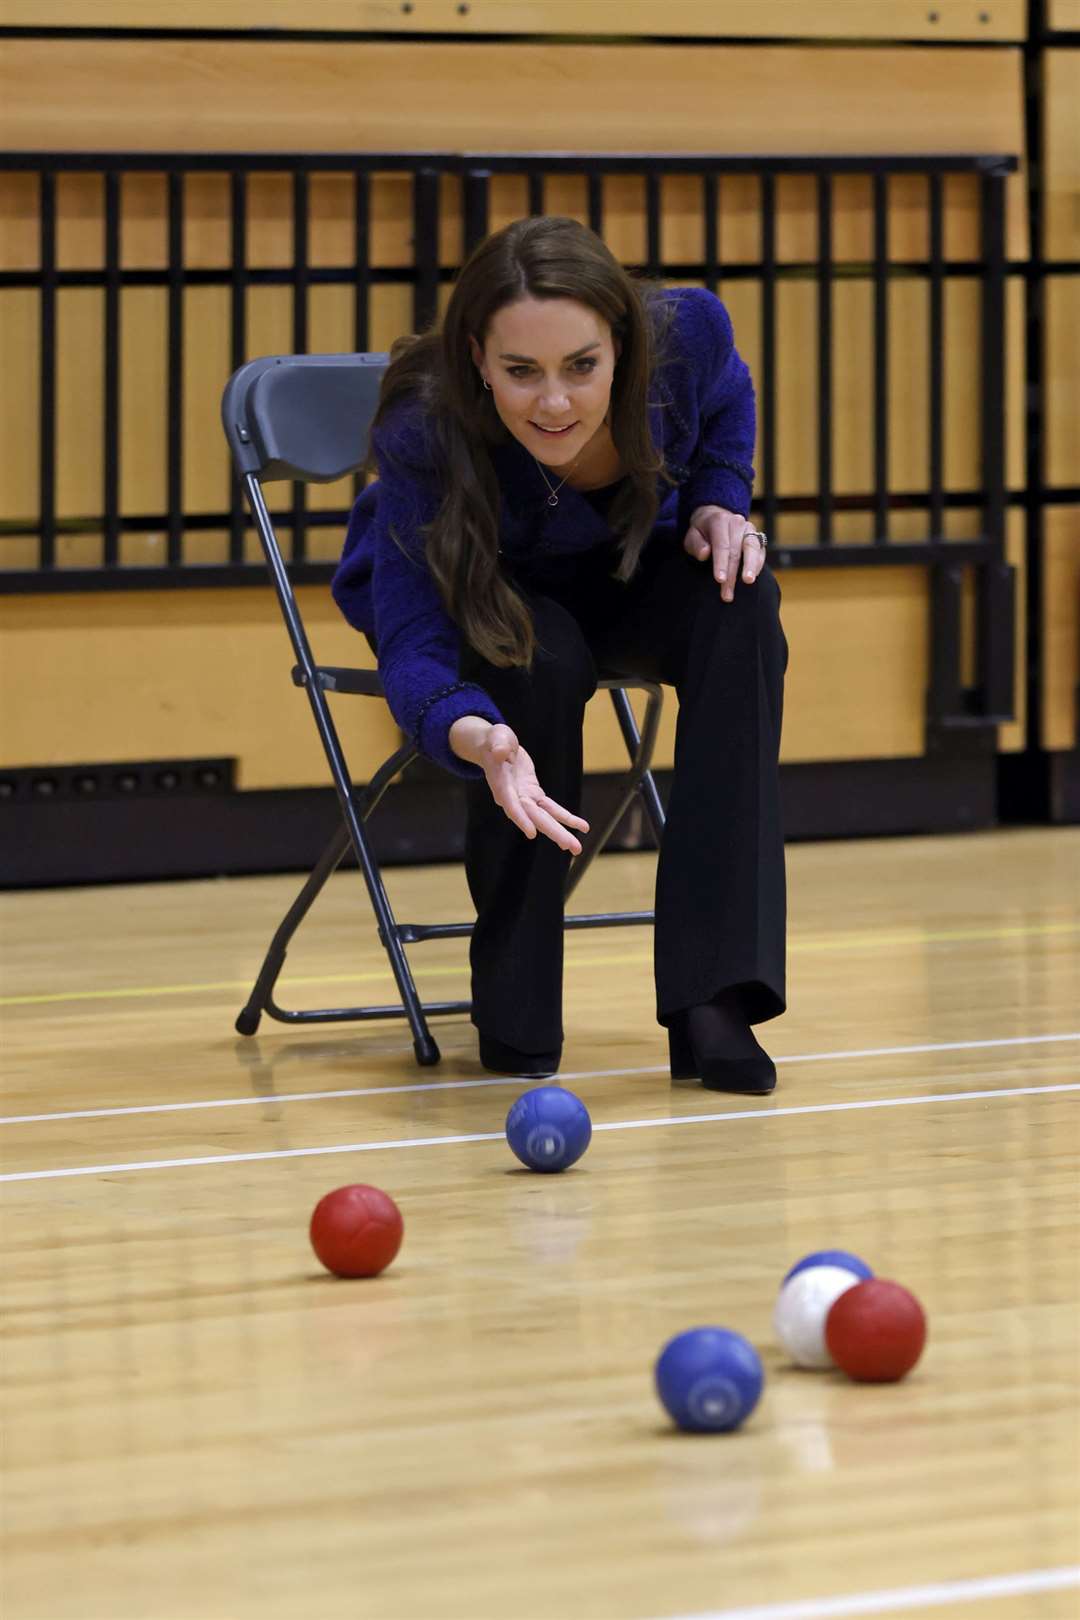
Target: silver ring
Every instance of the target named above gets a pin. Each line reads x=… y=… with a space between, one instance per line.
x=758 y=536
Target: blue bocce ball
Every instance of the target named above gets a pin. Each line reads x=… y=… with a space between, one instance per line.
x=709 y=1379
x=831 y=1257
x=548 y=1128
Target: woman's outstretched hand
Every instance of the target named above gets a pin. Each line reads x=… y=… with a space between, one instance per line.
x=727 y=538
x=511 y=777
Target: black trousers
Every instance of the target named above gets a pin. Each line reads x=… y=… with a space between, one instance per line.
x=720 y=889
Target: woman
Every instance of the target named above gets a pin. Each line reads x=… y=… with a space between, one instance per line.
x=563 y=485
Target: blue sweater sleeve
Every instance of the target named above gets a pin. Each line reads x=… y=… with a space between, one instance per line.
x=418 y=643
x=721 y=471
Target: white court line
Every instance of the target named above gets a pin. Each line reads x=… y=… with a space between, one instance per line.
x=892 y=1601
x=511 y=1080
x=499 y=1136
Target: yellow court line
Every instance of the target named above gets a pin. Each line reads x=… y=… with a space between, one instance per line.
x=833 y=942
x=933 y=936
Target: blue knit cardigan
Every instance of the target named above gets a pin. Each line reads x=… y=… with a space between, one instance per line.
x=702 y=419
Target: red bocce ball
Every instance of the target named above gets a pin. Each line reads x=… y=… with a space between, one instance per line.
x=876 y=1331
x=356 y=1231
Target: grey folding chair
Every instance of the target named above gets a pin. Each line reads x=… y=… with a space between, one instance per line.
x=307 y=417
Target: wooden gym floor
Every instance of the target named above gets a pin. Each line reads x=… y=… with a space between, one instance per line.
x=200 y=1424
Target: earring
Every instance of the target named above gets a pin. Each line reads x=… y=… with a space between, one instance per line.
x=487 y=385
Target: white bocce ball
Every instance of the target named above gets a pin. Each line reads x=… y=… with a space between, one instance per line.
x=801 y=1308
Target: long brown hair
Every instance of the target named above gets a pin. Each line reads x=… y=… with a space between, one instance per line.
x=545 y=257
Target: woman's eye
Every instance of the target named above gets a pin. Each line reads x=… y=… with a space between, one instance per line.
x=580 y=366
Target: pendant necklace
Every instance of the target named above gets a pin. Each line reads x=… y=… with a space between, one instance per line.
x=553 y=489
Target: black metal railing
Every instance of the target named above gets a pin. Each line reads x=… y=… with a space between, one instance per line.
x=950 y=703
x=426 y=275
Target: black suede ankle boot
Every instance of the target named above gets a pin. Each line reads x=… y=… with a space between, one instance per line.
x=714 y=1042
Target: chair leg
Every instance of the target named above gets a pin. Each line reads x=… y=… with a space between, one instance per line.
x=423 y=1045
x=261 y=998
x=262 y=991
x=639 y=780
x=641 y=746
x=596 y=843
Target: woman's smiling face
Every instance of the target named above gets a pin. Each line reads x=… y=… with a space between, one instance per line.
x=550 y=363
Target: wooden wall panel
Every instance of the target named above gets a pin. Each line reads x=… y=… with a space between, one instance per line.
x=1062 y=390
x=822 y=723
x=143 y=392
x=977 y=96
x=19 y=404
x=1015 y=384
x=139 y=95
x=1064 y=14
x=144 y=227
x=207 y=214
x=909 y=385
x=269 y=244
x=961 y=408
x=80 y=230
x=796 y=414
x=145 y=675
x=858 y=19
x=207 y=364
x=208 y=663
x=80 y=204
x=390 y=314
x=206 y=368
x=80 y=322
x=20 y=236
x=1062 y=154
x=1061 y=628
x=149 y=675
x=1061 y=543
x=206 y=227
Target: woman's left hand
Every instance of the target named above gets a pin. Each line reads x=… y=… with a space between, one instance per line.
x=731 y=541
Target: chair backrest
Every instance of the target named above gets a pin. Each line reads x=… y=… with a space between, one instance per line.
x=303 y=416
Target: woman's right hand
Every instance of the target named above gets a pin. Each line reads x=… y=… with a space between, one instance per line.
x=511 y=776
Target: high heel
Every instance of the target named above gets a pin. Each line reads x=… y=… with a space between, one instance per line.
x=684 y=1065
x=498 y=1058
x=694 y=1055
